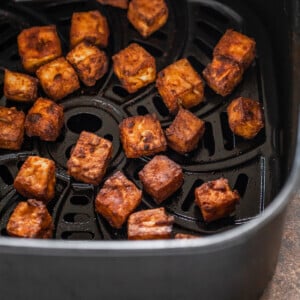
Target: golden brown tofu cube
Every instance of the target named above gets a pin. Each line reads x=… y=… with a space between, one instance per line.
x=90 y=26
x=184 y=133
x=222 y=75
x=150 y=224
x=237 y=47
x=36 y=179
x=185 y=236
x=20 y=87
x=216 y=200
x=161 y=178
x=90 y=63
x=147 y=16
x=134 y=67
x=180 y=85
x=11 y=128
x=58 y=78
x=45 y=120
x=38 y=46
x=245 y=117
x=117 y=3
x=90 y=158
x=142 y=135
x=118 y=198
x=30 y=219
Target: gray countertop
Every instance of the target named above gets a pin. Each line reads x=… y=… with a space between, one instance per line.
x=285 y=284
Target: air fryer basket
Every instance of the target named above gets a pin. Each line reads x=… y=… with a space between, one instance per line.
x=224 y=264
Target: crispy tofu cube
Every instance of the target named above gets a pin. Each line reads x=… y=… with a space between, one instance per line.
x=216 y=200
x=185 y=236
x=90 y=63
x=36 y=179
x=20 y=87
x=11 y=128
x=180 y=85
x=185 y=132
x=90 y=26
x=38 y=46
x=222 y=75
x=237 y=47
x=117 y=3
x=58 y=78
x=90 y=158
x=150 y=224
x=142 y=135
x=147 y=16
x=118 y=198
x=45 y=120
x=30 y=219
x=245 y=117
x=134 y=67
x=161 y=178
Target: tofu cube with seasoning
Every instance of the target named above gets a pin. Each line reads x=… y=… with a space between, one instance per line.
x=20 y=87
x=161 y=178
x=45 y=119
x=216 y=200
x=150 y=224
x=180 y=85
x=11 y=128
x=222 y=75
x=185 y=236
x=245 y=117
x=147 y=16
x=58 y=79
x=237 y=47
x=184 y=134
x=117 y=3
x=117 y=199
x=38 y=46
x=30 y=219
x=134 y=67
x=36 y=179
x=90 y=26
x=90 y=158
x=142 y=135
x=90 y=63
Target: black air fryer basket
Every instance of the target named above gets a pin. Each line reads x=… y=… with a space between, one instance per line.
x=236 y=256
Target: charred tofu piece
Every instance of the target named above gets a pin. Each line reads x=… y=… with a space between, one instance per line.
x=245 y=117
x=142 y=135
x=36 y=179
x=237 y=47
x=11 y=128
x=117 y=3
x=147 y=16
x=180 y=85
x=90 y=158
x=118 y=198
x=38 y=46
x=134 y=67
x=185 y=132
x=185 y=236
x=30 y=219
x=222 y=75
x=150 y=224
x=58 y=78
x=161 y=178
x=45 y=119
x=90 y=26
x=216 y=200
x=20 y=87
x=90 y=63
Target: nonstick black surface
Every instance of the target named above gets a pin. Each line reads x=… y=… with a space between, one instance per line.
x=192 y=31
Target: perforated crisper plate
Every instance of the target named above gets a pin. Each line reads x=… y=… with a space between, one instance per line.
x=192 y=31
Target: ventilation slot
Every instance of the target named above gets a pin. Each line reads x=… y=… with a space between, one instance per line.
x=120 y=91
x=203 y=47
x=69 y=151
x=6 y=176
x=241 y=184
x=214 y=15
x=154 y=51
x=190 y=199
x=160 y=106
x=142 y=110
x=196 y=64
x=109 y=137
x=228 y=136
x=86 y=122
x=77 y=235
x=76 y=218
x=208 y=139
x=209 y=29
x=80 y=200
